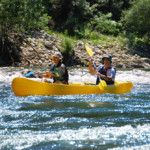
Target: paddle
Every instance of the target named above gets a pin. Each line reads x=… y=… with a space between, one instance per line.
x=89 y=50
x=102 y=85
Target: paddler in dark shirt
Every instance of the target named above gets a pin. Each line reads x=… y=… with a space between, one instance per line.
x=104 y=72
x=58 y=71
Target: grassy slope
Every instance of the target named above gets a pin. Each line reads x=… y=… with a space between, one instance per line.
x=116 y=45
x=93 y=38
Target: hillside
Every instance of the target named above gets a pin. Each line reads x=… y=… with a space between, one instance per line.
x=31 y=32
x=36 y=49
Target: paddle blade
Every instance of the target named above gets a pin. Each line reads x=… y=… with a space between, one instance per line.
x=102 y=85
x=89 y=50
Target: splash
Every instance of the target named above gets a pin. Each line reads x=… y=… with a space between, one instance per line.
x=8 y=74
x=2 y=76
x=82 y=75
x=127 y=136
x=135 y=76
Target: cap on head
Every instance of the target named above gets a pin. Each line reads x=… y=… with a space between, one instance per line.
x=58 y=54
x=107 y=56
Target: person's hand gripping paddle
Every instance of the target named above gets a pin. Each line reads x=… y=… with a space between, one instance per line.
x=102 y=85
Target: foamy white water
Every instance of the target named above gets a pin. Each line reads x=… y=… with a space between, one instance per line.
x=82 y=75
x=103 y=135
x=135 y=76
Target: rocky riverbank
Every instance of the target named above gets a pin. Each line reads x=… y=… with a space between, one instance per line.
x=36 y=49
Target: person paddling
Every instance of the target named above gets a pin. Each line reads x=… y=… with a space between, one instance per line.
x=58 y=71
x=104 y=72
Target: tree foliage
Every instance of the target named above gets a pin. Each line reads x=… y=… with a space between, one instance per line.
x=115 y=7
x=104 y=24
x=73 y=15
x=137 y=24
x=70 y=15
x=137 y=19
x=77 y=17
x=20 y=15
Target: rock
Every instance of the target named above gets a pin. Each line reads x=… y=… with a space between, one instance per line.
x=120 y=65
x=48 y=45
x=55 y=48
x=137 y=66
x=39 y=46
x=146 y=60
x=80 y=44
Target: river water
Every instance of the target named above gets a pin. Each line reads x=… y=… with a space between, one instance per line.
x=100 y=122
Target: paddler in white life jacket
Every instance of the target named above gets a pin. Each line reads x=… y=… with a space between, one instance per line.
x=105 y=71
x=58 y=71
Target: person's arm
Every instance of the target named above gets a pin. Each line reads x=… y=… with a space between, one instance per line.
x=112 y=74
x=105 y=77
x=109 y=77
x=48 y=74
x=62 y=70
x=92 y=69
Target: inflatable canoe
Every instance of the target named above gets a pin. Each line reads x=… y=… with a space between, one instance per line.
x=28 y=87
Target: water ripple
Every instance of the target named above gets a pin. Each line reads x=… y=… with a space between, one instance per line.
x=106 y=121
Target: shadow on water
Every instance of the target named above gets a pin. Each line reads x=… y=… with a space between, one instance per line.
x=67 y=145
x=51 y=104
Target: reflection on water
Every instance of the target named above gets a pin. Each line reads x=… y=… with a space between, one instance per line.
x=77 y=122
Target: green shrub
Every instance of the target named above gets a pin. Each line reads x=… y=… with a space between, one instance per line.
x=89 y=34
x=67 y=46
x=136 y=23
x=104 y=24
x=43 y=21
x=137 y=19
x=138 y=43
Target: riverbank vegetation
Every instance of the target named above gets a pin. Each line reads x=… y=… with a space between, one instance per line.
x=124 y=22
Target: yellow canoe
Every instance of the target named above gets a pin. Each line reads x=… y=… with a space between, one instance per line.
x=29 y=87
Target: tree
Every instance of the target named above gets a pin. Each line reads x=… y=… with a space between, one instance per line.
x=70 y=15
x=17 y=16
x=115 y=7
x=137 y=24
x=137 y=19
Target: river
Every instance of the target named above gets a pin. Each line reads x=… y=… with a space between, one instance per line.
x=108 y=121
